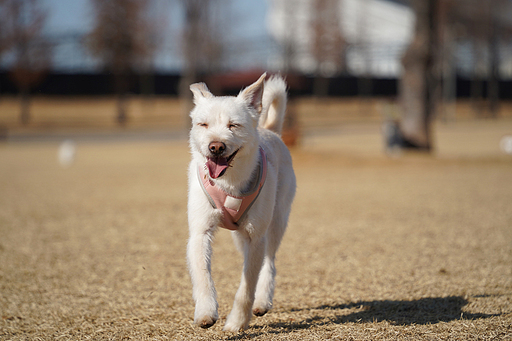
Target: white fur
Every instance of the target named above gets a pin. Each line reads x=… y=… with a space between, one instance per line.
x=239 y=122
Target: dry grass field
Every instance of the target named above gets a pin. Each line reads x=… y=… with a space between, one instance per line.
x=410 y=248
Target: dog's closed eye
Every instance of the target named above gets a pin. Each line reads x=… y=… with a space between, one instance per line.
x=204 y=125
x=232 y=126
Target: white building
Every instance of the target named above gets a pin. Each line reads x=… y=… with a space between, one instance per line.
x=376 y=33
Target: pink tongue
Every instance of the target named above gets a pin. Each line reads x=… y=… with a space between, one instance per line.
x=216 y=166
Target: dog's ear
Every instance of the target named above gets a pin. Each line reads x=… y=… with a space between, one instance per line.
x=253 y=94
x=200 y=90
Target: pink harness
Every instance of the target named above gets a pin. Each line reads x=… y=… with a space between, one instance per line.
x=233 y=208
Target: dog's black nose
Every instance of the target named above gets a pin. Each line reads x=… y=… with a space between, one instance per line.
x=217 y=147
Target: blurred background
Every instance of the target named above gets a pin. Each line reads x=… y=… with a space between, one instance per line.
x=121 y=66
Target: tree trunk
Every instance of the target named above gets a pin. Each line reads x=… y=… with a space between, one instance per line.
x=493 y=88
x=191 y=50
x=122 y=103
x=122 y=79
x=320 y=86
x=419 y=81
x=24 y=106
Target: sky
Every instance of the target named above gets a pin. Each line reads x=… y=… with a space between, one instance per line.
x=66 y=18
x=77 y=15
x=247 y=33
x=246 y=25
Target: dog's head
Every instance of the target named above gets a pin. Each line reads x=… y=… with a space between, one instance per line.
x=224 y=129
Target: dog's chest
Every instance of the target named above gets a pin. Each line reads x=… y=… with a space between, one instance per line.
x=233 y=208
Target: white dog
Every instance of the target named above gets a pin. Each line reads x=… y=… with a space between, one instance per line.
x=240 y=178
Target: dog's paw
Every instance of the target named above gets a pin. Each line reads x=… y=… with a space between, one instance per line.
x=260 y=311
x=206 y=313
x=234 y=328
x=261 y=307
x=235 y=325
x=205 y=321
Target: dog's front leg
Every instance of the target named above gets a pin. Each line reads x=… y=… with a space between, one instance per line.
x=241 y=313
x=199 y=254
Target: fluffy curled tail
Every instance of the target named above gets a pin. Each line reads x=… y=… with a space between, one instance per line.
x=273 y=104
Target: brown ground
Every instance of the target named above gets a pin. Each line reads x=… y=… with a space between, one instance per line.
x=410 y=248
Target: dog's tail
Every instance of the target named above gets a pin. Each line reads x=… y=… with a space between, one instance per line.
x=274 y=104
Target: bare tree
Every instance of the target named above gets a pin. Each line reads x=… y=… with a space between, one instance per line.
x=5 y=26
x=419 y=81
x=363 y=48
x=328 y=43
x=483 y=23
x=480 y=22
x=196 y=14
x=202 y=46
x=21 y=23
x=123 y=37
x=289 y=45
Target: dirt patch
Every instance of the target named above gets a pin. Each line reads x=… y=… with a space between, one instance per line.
x=410 y=248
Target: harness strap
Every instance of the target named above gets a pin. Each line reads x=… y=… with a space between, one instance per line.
x=233 y=208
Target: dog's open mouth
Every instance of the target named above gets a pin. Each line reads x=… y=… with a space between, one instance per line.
x=217 y=166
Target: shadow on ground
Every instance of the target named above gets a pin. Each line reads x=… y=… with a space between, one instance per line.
x=422 y=311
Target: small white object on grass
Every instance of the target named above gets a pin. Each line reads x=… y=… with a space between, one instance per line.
x=67 y=151
x=506 y=144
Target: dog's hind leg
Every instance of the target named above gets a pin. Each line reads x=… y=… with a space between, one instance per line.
x=265 y=289
x=199 y=254
x=241 y=313
x=266 y=281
